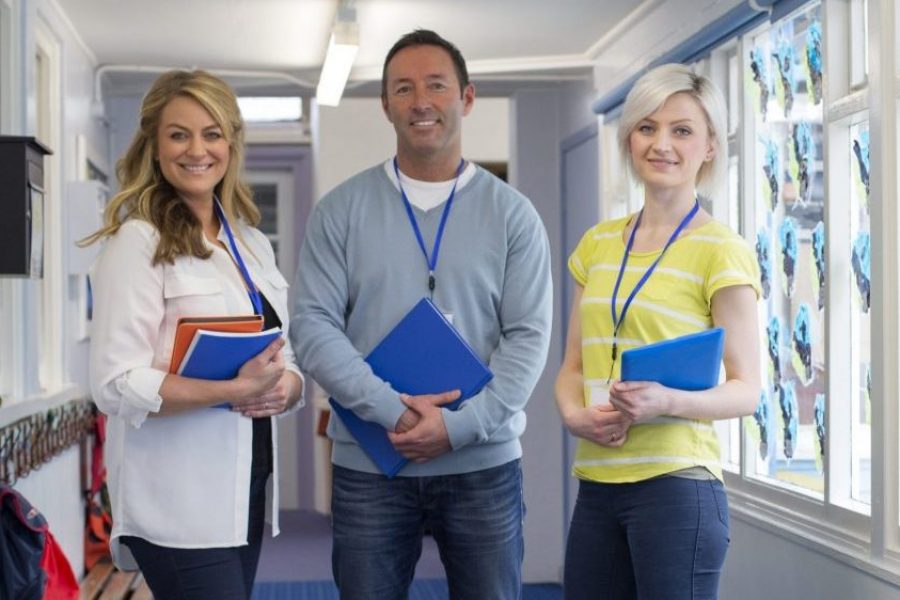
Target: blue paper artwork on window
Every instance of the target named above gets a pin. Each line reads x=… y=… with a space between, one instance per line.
x=787 y=400
x=784 y=59
x=802 y=344
x=861 y=151
x=804 y=149
x=814 y=59
x=762 y=79
x=764 y=258
x=861 y=263
x=819 y=420
x=761 y=417
x=818 y=250
x=869 y=393
x=784 y=75
x=771 y=168
x=773 y=335
x=787 y=233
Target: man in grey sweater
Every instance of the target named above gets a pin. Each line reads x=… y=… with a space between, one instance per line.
x=426 y=223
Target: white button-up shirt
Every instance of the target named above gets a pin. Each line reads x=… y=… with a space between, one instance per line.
x=180 y=481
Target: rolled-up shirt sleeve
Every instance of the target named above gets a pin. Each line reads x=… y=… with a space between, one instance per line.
x=128 y=311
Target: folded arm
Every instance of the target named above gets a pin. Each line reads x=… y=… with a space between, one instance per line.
x=734 y=309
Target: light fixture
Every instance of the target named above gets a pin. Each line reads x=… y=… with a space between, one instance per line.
x=342 y=48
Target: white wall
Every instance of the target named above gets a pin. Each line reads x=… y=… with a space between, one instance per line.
x=540 y=121
x=534 y=171
x=763 y=564
x=122 y=113
x=356 y=135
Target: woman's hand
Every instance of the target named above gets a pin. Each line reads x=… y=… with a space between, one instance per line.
x=640 y=400
x=261 y=373
x=277 y=399
x=603 y=425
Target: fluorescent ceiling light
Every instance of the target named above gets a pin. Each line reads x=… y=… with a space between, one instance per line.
x=270 y=109
x=342 y=48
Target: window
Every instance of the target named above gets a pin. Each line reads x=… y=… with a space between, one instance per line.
x=271 y=109
x=621 y=195
x=787 y=216
x=49 y=290
x=273 y=192
x=807 y=452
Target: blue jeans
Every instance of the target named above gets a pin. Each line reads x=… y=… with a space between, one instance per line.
x=661 y=538
x=475 y=518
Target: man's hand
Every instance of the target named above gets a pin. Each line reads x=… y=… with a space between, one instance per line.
x=420 y=433
x=410 y=417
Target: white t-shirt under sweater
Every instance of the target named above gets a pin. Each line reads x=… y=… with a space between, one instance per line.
x=428 y=194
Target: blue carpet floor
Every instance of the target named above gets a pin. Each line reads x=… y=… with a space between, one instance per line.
x=422 y=589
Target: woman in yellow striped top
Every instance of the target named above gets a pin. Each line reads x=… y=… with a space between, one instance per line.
x=651 y=518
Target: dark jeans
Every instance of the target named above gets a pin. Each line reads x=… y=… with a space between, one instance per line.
x=661 y=538
x=205 y=573
x=475 y=518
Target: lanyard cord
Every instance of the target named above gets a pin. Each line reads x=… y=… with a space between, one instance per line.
x=619 y=319
x=255 y=296
x=432 y=261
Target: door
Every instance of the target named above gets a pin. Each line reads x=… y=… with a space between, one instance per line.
x=273 y=192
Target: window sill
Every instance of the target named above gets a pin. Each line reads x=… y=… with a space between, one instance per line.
x=844 y=545
x=19 y=408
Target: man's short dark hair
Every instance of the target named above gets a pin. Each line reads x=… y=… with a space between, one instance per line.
x=426 y=37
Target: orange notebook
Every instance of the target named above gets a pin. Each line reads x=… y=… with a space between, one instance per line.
x=188 y=326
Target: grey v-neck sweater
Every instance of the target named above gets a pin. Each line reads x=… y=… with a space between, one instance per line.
x=361 y=269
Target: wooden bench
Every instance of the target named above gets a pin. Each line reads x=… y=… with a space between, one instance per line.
x=105 y=582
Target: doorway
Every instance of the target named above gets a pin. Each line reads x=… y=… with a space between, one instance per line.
x=280 y=177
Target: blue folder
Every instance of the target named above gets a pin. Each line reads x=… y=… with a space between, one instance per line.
x=219 y=355
x=422 y=354
x=689 y=362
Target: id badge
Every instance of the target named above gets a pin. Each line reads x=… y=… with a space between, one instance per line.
x=599 y=393
x=447 y=315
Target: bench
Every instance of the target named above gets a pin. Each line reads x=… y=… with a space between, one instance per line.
x=105 y=582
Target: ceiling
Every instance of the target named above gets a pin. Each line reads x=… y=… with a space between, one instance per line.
x=507 y=43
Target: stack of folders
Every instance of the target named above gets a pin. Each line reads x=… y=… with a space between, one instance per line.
x=689 y=362
x=422 y=354
x=216 y=347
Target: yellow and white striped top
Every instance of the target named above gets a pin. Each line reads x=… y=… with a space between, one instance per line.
x=674 y=301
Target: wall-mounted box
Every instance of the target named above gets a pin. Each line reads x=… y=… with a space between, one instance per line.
x=22 y=206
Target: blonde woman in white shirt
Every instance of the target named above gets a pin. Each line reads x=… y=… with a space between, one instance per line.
x=187 y=485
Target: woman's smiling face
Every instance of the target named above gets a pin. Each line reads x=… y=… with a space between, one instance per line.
x=669 y=146
x=192 y=150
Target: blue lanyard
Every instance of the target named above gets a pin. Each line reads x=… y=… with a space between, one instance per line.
x=432 y=262
x=617 y=320
x=255 y=296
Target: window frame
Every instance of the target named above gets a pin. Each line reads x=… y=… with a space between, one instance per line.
x=49 y=319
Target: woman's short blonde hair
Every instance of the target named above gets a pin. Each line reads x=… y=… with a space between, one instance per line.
x=652 y=90
x=145 y=193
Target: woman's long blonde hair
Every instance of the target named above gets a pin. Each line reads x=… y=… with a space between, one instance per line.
x=145 y=193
